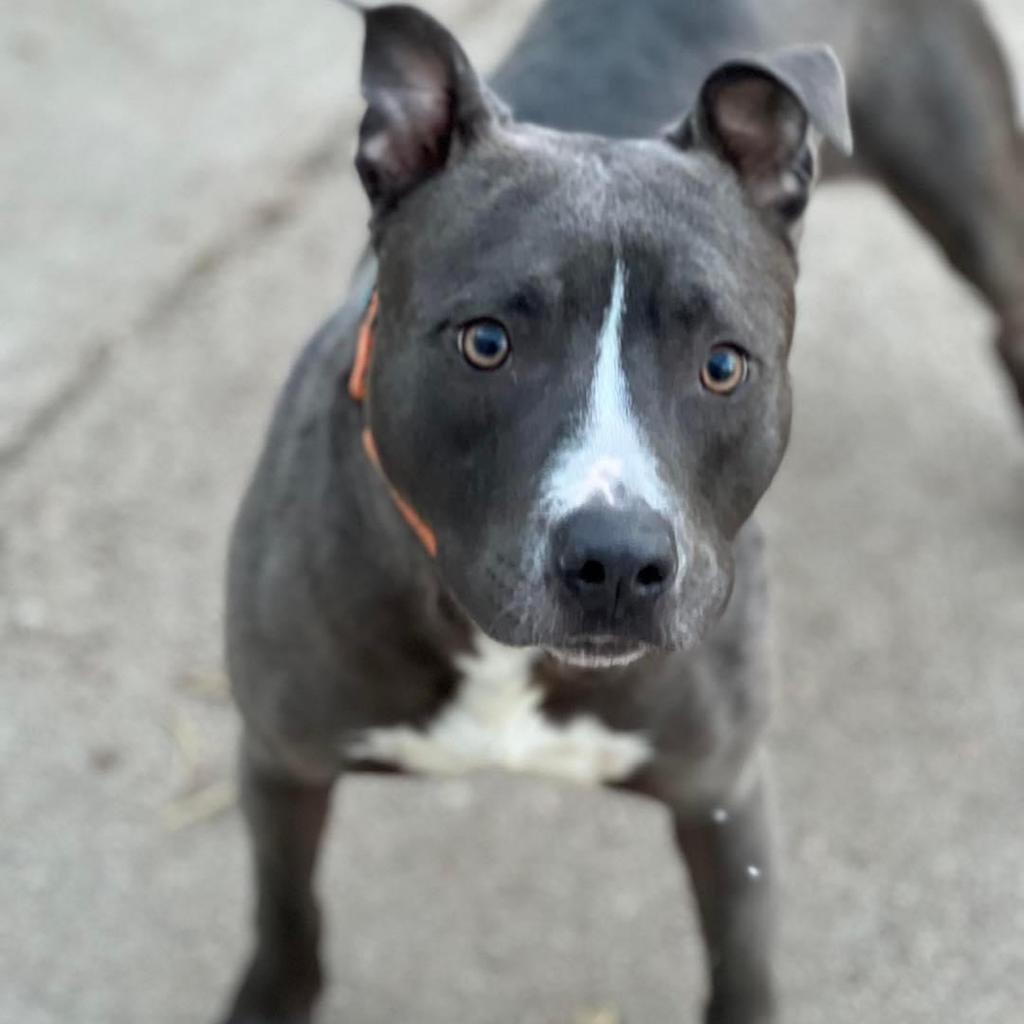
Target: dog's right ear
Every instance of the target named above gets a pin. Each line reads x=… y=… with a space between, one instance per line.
x=424 y=102
x=764 y=116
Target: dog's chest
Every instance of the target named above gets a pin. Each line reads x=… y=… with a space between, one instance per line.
x=495 y=721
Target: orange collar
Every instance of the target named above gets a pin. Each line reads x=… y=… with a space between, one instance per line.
x=358 y=386
x=357 y=381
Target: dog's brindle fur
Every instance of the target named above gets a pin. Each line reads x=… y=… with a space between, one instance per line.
x=615 y=266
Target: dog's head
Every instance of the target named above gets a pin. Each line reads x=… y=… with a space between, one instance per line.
x=580 y=371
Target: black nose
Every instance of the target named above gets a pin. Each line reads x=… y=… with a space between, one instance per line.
x=615 y=561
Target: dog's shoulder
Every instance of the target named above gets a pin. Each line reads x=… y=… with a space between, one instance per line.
x=310 y=450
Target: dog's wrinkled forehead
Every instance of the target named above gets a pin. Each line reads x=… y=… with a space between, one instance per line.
x=551 y=208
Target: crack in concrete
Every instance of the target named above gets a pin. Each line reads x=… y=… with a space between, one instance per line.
x=260 y=218
x=82 y=383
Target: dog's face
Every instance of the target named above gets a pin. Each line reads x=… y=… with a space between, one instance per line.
x=579 y=376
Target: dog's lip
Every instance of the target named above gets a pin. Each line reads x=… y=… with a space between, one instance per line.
x=599 y=652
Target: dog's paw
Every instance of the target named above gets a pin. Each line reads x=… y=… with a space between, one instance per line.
x=742 y=1009
x=242 y=1015
x=262 y=999
x=259 y=1019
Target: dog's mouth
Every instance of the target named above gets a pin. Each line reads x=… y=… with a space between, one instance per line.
x=599 y=652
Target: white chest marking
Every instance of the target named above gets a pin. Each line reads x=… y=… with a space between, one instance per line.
x=609 y=454
x=495 y=722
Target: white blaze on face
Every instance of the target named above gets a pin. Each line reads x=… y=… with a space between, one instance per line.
x=608 y=457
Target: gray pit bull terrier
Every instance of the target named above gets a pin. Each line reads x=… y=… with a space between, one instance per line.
x=503 y=515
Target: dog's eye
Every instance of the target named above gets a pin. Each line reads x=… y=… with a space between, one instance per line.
x=484 y=344
x=724 y=370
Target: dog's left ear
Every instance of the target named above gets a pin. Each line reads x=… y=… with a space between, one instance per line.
x=764 y=116
x=424 y=102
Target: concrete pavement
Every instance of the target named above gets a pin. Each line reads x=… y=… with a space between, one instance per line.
x=897 y=539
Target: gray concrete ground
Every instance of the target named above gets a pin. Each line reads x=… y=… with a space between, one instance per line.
x=197 y=260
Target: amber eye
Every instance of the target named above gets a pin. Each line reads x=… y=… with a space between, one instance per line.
x=724 y=370
x=484 y=344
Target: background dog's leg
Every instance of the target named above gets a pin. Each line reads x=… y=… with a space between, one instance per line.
x=728 y=854
x=934 y=116
x=286 y=819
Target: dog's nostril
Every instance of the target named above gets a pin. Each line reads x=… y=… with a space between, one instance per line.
x=651 y=575
x=592 y=572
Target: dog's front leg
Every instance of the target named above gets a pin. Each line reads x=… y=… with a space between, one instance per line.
x=728 y=854
x=286 y=819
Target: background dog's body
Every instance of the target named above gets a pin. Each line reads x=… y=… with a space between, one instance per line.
x=930 y=96
x=346 y=649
